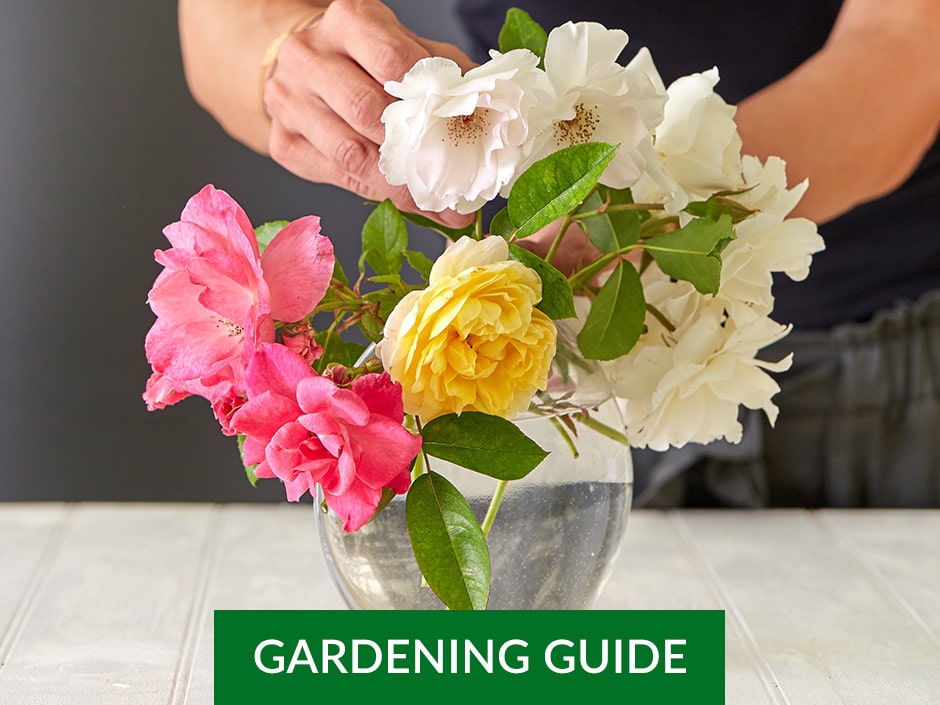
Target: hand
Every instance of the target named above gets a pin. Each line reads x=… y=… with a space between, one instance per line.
x=325 y=97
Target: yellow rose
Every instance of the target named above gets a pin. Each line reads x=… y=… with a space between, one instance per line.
x=473 y=340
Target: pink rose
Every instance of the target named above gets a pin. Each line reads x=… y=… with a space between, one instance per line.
x=216 y=298
x=305 y=430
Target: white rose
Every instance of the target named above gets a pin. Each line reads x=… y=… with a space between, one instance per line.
x=698 y=144
x=686 y=386
x=598 y=100
x=767 y=242
x=455 y=140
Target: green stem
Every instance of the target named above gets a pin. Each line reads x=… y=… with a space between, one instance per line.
x=566 y=436
x=659 y=316
x=618 y=207
x=602 y=428
x=653 y=223
x=490 y=517
x=559 y=236
x=583 y=275
x=478 y=225
x=422 y=461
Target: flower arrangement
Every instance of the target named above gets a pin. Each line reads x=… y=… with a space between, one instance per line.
x=674 y=302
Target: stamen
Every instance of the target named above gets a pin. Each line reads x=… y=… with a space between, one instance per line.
x=578 y=129
x=234 y=330
x=466 y=129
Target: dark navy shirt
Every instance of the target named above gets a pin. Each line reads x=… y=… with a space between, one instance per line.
x=880 y=253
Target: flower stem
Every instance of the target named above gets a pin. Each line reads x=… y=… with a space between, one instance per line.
x=566 y=436
x=491 y=511
x=654 y=224
x=618 y=207
x=422 y=461
x=478 y=225
x=559 y=236
x=582 y=275
x=602 y=428
x=660 y=316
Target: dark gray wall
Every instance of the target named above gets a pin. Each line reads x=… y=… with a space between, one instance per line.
x=100 y=146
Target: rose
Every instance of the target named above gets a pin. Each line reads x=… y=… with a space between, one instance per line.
x=685 y=385
x=766 y=242
x=598 y=100
x=698 y=144
x=305 y=430
x=217 y=297
x=473 y=340
x=456 y=140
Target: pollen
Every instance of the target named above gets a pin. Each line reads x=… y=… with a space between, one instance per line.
x=578 y=129
x=234 y=330
x=467 y=129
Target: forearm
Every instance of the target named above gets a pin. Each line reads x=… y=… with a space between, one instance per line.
x=223 y=44
x=856 y=118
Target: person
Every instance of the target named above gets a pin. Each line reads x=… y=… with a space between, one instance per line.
x=848 y=93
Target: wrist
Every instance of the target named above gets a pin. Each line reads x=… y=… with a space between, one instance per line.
x=269 y=60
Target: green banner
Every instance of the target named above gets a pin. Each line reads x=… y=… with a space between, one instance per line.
x=469 y=657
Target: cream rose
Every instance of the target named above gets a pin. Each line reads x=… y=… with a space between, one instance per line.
x=697 y=145
x=473 y=340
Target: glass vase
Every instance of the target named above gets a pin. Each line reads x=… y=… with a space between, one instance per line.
x=556 y=533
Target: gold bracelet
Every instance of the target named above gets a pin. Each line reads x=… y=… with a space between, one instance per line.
x=270 y=54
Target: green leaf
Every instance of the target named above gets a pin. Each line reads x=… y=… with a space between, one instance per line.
x=520 y=31
x=394 y=281
x=372 y=323
x=557 y=298
x=486 y=444
x=720 y=204
x=617 y=316
x=448 y=543
x=265 y=232
x=249 y=469
x=611 y=230
x=501 y=225
x=420 y=263
x=450 y=233
x=336 y=351
x=556 y=185
x=693 y=253
x=372 y=328
x=384 y=239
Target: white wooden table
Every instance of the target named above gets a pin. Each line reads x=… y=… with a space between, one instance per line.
x=112 y=603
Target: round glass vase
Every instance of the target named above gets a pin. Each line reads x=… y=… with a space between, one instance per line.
x=556 y=532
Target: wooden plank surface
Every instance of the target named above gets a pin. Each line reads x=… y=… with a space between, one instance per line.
x=110 y=613
x=112 y=603
x=267 y=558
x=820 y=624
